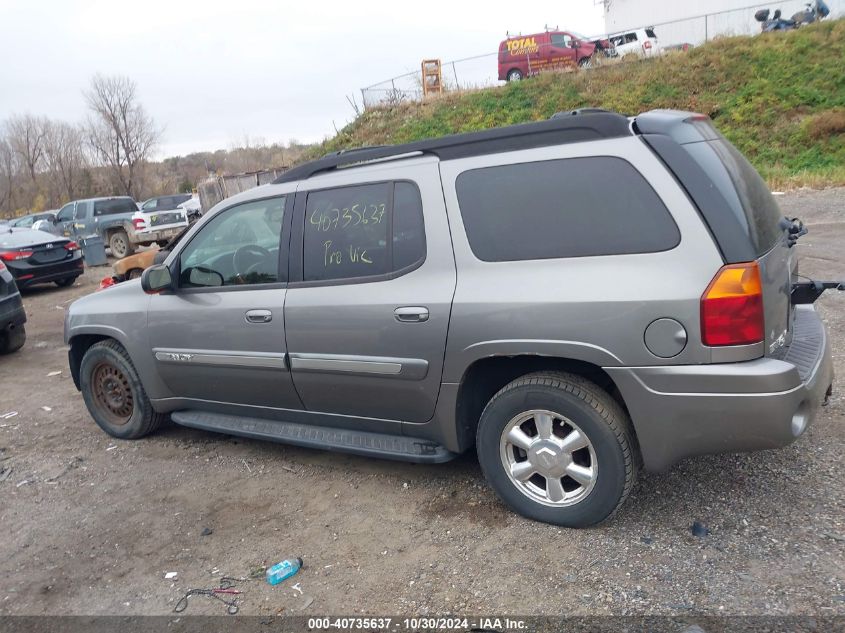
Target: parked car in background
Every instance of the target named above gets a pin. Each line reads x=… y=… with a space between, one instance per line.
x=490 y=290
x=523 y=56
x=156 y=227
x=193 y=208
x=36 y=257
x=26 y=221
x=132 y=266
x=12 y=313
x=164 y=203
x=119 y=222
x=640 y=42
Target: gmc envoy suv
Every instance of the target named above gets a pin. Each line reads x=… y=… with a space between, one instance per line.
x=577 y=298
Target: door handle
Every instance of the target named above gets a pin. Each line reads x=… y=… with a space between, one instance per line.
x=411 y=314
x=259 y=316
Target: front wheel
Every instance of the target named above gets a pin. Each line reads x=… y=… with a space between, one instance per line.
x=113 y=392
x=12 y=340
x=586 y=62
x=557 y=448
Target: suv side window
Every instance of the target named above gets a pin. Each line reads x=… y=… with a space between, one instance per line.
x=363 y=231
x=82 y=210
x=562 y=208
x=150 y=205
x=239 y=246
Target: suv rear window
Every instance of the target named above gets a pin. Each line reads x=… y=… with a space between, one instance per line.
x=745 y=190
x=574 y=207
x=115 y=206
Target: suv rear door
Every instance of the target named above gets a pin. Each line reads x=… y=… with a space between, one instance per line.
x=746 y=219
x=372 y=280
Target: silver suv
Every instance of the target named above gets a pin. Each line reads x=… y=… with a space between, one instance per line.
x=576 y=298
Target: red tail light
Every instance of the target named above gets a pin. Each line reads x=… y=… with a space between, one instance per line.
x=11 y=256
x=139 y=223
x=646 y=45
x=72 y=246
x=732 y=307
x=2 y=266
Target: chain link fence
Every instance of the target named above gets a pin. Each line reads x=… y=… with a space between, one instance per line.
x=481 y=71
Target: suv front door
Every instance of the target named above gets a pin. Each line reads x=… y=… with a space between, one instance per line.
x=368 y=313
x=219 y=338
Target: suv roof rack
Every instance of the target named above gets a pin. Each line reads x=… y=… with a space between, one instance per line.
x=588 y=124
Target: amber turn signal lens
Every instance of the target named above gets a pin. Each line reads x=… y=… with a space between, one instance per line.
x=732 y=307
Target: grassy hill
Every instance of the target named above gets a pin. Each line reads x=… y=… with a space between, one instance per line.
x=779 y=97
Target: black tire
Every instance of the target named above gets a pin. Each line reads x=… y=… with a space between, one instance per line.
x=120 y=245
x=114 y=394
x=12 y=339
x=585 y=62
x=594 y=413
x=67 y=281
x=515 y=74
x=134 y=273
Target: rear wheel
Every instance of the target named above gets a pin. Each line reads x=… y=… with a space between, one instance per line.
x=515 y=75
x=67 y=281
x=12 y=339
x=120 y=245
x=557 y=448
x=114 y=394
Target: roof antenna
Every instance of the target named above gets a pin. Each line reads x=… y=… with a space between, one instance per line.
x=549 y=28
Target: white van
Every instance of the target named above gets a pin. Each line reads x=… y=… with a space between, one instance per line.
x=642 y=42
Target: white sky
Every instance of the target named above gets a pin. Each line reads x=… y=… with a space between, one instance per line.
x=213 y=73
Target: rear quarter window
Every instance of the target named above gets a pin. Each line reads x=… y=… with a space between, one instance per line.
x=574 y=207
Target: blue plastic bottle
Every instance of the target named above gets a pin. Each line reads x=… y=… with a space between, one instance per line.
x=284 y=570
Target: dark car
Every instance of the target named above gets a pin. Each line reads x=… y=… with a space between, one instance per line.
x=36 y=257
x=12 y=314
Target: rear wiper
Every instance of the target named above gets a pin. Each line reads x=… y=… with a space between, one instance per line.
x=795 y=229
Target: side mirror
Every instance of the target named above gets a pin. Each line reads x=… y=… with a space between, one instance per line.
x=574 y=44
x=155 y=279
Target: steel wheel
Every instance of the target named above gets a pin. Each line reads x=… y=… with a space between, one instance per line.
x=112 y=394
x=548 y=458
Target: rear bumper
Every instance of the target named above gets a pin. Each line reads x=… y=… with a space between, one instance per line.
x=157 y=235
x=700 y=409
x=27 y=275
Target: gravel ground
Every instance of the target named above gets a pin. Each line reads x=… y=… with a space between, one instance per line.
x=92 y=525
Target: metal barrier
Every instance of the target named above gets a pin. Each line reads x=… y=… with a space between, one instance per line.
x=481 y=71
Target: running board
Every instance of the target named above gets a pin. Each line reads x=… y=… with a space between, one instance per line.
x=398 y=447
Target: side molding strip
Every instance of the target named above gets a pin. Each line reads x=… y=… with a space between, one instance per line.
x=258 y=360
x=402 y=368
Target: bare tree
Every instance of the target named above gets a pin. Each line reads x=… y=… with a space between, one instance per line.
x=120 y=132
x=64 y=157
x=26 y=138
x=8 y=172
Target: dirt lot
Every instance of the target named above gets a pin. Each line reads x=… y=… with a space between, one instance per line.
x=92 y=525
